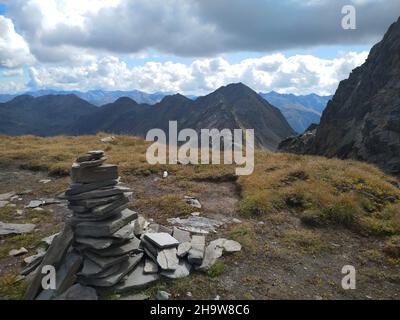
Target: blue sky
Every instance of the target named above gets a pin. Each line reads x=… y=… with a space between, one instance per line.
x=189 y=47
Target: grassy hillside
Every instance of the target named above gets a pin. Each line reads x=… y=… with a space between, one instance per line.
x=293 y=208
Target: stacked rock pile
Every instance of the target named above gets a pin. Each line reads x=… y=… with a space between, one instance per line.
x=101 y=222
x=107 y=247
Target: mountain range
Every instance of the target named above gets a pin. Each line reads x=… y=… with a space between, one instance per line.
x=299 y=110
x=232 y=107
x=362 y=121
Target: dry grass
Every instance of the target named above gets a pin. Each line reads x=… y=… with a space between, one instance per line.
x=320 y=191
x=323 y=192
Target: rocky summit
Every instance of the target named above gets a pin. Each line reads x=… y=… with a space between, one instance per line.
x=362 y=121
x=106 y=247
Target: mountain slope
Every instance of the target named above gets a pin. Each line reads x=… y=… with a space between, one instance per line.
x=233 y=107
x=44 y=116
x=96 y=97
x=300 y=111
x=362 y=121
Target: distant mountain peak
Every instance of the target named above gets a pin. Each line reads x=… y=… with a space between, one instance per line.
x=125 y=101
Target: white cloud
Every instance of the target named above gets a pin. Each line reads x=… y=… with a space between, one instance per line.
x=299 y=74
x=56 y=29
x=14 y=51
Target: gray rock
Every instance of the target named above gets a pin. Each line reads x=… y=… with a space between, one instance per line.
x=35 y=204
x=162 y=295
x=164 y=229
x=78 y=188
x=105 y=228
x=137 y=279
x=32 y=259
x=105 y=262
x=199 y=225
x=167 y=259
x=113 y=279
x=196 y=253
x=3 y=203
x=193 y=202
x=161 y=240
x=125 y=233
x=65 y=277
x=47 y=241
x=132 y=246
x=104 y=209
x=140 y=226
x=182 y=271
x=18 y=252
x=79 y=292
x=99 y=193
x=150 y=266
x=183 y=249
x=12 y=228
x=96 y=243
x=54 y=257
x=92 y=270
x=232 y=246
x=93 y=174
x=213 y=251
x=7 y=196
x=181 y=235
x=91 y=203
x=136 y=297
x=92 y=163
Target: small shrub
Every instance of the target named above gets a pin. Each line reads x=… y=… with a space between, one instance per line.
x=216 y=270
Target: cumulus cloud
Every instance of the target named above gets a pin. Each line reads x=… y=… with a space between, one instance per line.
x=299 y=74
x=195 y=28
x=14 y=51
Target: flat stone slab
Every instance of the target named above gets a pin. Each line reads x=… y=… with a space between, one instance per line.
x=199 y=225
x=232 y=246
x=96 y=243
x=109 y=207
x=196 y=253
x=213 y=251
x=65 y=276
x=91 y=203
x=126 y=232
x=181 y=235
x=131 y=247
x=113 y=279
x=167 y=259
x=182 y=271
x=13 y=228
x=161 y=240
x=7 y=196
x=183 y=249
x=17 y=252
x=99 y=193
x=92 y=270
x=78 y=292
x=93 y=174
x=105 y=228
x=77 y=188
x=105 y=262
x=150 y=266
x=137 y=279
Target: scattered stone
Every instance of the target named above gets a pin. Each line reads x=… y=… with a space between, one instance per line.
x=162 y=295
x=165 y=174
x=213 y=251
x=140 y=226
x=93 y=174
x=167 y=259
x=235 y=220
x=195 y=214
x=79 y=292
x=181 y=235
x=199 y=225
x=182 y=271
x=161 y=240
x=150 y=266
x=183 y=249
x=18 y=252
x=137 y=279
x=108 y=139
x=7 y=196
x=3 y=204
x=12 y=228
x=136 y=297
x=195 y=203
x=45 y=181
x=32 y=259
x=35 y=204
x=196 y=252
x=47 y=241
x=232 y=246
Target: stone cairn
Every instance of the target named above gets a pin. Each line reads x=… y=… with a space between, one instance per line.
x=107 y=247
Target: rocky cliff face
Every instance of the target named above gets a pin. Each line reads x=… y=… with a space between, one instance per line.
x=362 y=121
